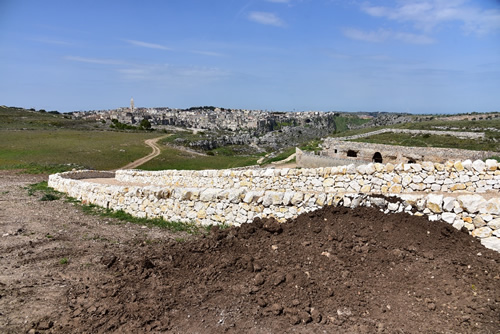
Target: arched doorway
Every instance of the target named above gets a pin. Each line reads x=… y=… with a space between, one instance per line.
x=411 y=161
x=351 y=153
x=377 y=157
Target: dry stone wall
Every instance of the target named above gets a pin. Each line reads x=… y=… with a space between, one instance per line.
x=458 y=134
x=465 y=194
x=366 y=152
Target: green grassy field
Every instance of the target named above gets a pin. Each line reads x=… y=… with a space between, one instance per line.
x=18 y=118
x=342 y=122
x=171 y=158
x=490 y=143
x=48 y=142
x=102 y=150
x=402 y=139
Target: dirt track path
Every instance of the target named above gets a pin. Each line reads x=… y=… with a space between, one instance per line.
x=156 y=152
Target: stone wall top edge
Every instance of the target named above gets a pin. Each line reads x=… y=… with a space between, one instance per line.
x=458 y=165
x=489 y=164
x=356 y=145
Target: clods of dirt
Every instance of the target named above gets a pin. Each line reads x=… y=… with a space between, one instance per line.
x=335 y=270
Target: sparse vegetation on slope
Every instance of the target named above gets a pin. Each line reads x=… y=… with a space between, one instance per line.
x=426 y=140
x=172 y=158
x=42 y=149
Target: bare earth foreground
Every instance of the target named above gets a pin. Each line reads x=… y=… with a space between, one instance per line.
x=331 y=271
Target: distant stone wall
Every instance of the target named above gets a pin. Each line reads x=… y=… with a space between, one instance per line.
x=451 y=191
x=366 y=152
x=312 y=160
x=458 y=134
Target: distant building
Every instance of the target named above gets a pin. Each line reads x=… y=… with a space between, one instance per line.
x=132 y=105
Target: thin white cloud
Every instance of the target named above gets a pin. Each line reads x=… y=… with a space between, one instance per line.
x=426 y=15
x=167 y=72
x=95 y=60
x=52 y=41
x=266 y=18
x=208 y=53
x=147 y=45
x=383 y=35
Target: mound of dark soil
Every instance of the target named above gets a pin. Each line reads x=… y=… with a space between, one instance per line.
x=332 y=271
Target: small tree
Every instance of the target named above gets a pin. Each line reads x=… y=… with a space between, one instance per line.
x=145 y=124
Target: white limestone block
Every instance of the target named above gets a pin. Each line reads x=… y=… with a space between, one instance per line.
x=494 y=224
x=448 y=217
x=471 y=203
x=491 y=164
x=482 y=232
x=491 y=243
x=479 y=165
x=492 y=206
x=448 y=203
x=416 y=167
x=467 y=164
x=434 y=203
x=393 y=207
x=458 y=224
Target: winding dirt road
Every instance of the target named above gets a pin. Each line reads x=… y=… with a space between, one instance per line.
x=156 y=152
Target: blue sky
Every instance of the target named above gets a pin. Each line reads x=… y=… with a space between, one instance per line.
x=419 y=56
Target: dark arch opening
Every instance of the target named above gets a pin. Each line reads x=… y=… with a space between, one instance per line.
x=411 y=161
x=377 y=157
x=351 y=153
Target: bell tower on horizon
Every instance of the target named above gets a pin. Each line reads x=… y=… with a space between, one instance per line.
x=132 y=104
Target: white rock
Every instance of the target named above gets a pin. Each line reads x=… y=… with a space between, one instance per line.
x=491 y=243
x=233 y=195
x=380 y=202
x=448 y=217
x=417 y=178
x=464 y=178
x=478 y=221
x=267 y=200
x=434 y=218
x=467 y=164
x=491 y=207
x=209 y=195
x=434 y=203
x=478 y=165
x=355 y=185
x=494 y=224
x=430 y=179
x=491 y=164
x=471 y=203
x=393 y=206
x=361 y=169
x=268 y=173
x=287 y=197
x=448 y=203
x=428 y=166
x=351 y=169
x=458 y=224
x=416 y=167
x=370 y=169
x=251 y=196
x=482 y=232
x=297 y=198
x=469 y=226
x=487 y=217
